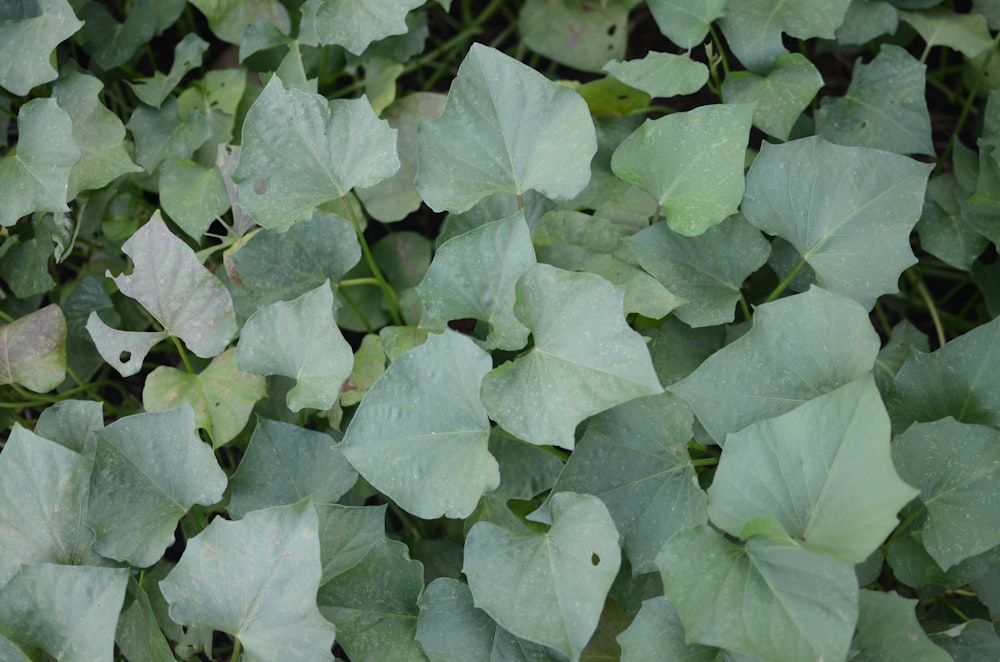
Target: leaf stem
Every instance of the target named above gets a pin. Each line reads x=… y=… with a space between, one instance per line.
x=237 y=650
x=357 y=310
x=783 y=285
x=931 y=308
x=390 y=294
x=747 y=315
x=356 y=282
x=182 y=353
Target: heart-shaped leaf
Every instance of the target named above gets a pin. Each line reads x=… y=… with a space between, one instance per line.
x=29 y=32
x=353 y=24
x=967 y=33
x=686 y=22
x=34 y=350
x=779 y=97
x=229 y=18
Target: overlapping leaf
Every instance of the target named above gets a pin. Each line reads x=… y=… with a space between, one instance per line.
x=192 y=195
x=686 y=22
x=578 y=34
x=354 y=24
x=660 y=74
x=967 y=33
x=229 y=18
x=346 y=535
x=780 y=96
x=888 y=628
x=162 y=133
x=657 y=632
x=34 y=350
x=29 y=32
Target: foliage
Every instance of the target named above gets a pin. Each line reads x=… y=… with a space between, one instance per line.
x=443 y=330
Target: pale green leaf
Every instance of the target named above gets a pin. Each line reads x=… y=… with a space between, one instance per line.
x=192 y=195
x=661 y=74
x=707 y=272
x=687 y=22
x=823 y=470
x=848 y=211
x=903 y=339
x=98 y=132
x=229 y=18
x=657 y=633
x=112 y=43
x=779 y=97
x=579 y=34
x=300 y=150
x=505 y=129
x=138 y=635
x=888 y=629
x=29 y=33
x=690 y=162
x=768 y=599
x=420 y=435
x=346 y=535
x=957 y=468
x=473 y=275
x=34 y=350
x=867 y=19
x=885 y=106
x=72 y=423
x=354 y=24
x=944 y=231
x=163 y=132
x=69 y=612
x=913 y=566
x=549 y=587
x=149 y=470
x=585 y=358
x=369 y=364
x=36 y=176
x=973 y=641
x=284 y=464
x=800 y=347
x=221 y=395
x=263 y=594
x=966 y=33
x=187 y=56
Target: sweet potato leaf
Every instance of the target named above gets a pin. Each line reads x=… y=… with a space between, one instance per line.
x=34 y=350
x=29 y=32
x=353 y=24
x=780 y=96
x=686 y=22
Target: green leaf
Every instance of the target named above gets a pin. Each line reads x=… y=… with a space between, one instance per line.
x=298 y=339
x=43 y=504
x=944 y=230
x=686 y=22
x=577 y=33
x=660 y=74
x=768 y=599
x=585 y=358
x=966 y=33
x=300 y=150
x=149 y=470
x=346 y=535
x=848 y=211
x=657 y=633
x=229 y=18
x=473 y=275
x=263 y=594
x=68 y=612
x=29 y=33
x=913 y=566
x=112 y=43
x=36 y=176
x=824 y=470
x=800 y=347
x=691 y=162
x=867 y=19
x=374 y=605
x=634 y=458
x=971 y=641
x=138 y=635
x=420 y=435
x=957 y=468
x=549 y=587
x=72 y=423
x=187 y=56
x=354 y=24
x=193 y=195
x=888 y=629
x=706 y=271
x=505 y=129
x=163 y=132
x=96 y=130
x=960 y=380
x=780 y=96
x=885 y=106
x=753 y=28
x=286 y=463
x=34 y=350
x=221 y=395
x=369 y=364
x=904 y=339
x=451 y=629
x=187 y=300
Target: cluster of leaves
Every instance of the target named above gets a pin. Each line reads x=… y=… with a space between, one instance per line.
x=348 y=334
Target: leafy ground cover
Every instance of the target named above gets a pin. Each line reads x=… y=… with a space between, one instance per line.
x=406 y=330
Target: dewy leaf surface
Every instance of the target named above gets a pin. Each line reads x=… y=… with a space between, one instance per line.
x=420 y=435
x=29 y=32
x=505 y=129
x=848 y=211
x=690 y=162
x=957 y=468
x=149 y=470
x=823 y=470
x=300 y=150
x=585 y=358
x=800 y=347
x=768 y=599
x=256 y=579
x=547 y=587
x=33 y=350
x=354 y=24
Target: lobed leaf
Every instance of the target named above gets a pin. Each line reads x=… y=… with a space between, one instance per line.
x=888 y=627
x=353 y=24
x=780 y=96
x=29 y=33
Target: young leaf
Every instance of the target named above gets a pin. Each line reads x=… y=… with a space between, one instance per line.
x=799 y=347
x=779 y=97
x=420 y=434
x=229 y=18
x=36 y=176
x=768 y=599
x=34 y=350
x=187 y=56
x=686 y=22
x=967 y=33
x=823 y=470
x=847 y=210
x=298 y=339
x=300 y=150
x=691 y=162
x=29 y=32
x=957 y=468
x=473 y=275
x=885 y=106
x=149 y=470
x=72 y=423
x=284 y=464
x=661 y=74
x=505 y=129
x=111 y=43
x=888 y=628
x=163 y=132
x=263 y=594
x=353 y=24
x=549 y=587
x=221 y=395
x=193 y=195
x=578 y=34
x=585 y=358
x=172 y=285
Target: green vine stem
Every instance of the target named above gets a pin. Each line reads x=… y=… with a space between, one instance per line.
x=783 y=285
x=390 y=294
x=931 y=307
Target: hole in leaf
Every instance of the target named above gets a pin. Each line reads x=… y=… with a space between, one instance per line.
x=595 y=559
x=125 y=356
x=260 y=186
x=612 y=29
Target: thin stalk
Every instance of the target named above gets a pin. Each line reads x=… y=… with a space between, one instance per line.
x=390 y=294
x=704 y=462
x=356 y=282
x=237 y=650
x=745 y=307
x=183 y=354
x=931 y=307
x=783 y=285
x=357 y=311
x=903 y=527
